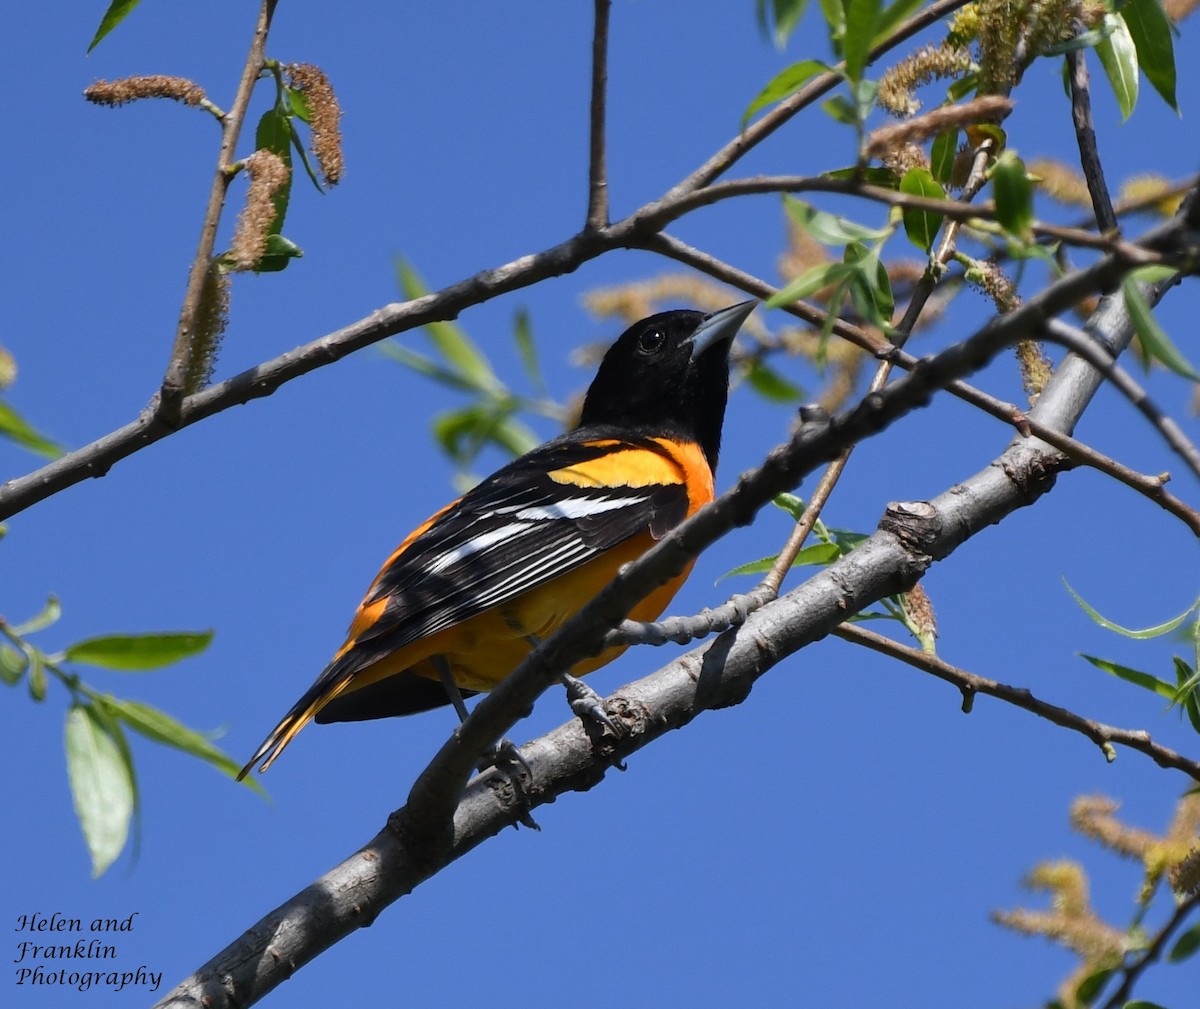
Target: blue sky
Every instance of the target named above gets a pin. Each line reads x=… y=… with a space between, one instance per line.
x=837 y=840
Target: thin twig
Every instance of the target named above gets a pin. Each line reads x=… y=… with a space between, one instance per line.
x=1104 y=736
x=1085 y=136
x=1082 y=344
x=170 y=397
x=953 y=209
x=1152 y=953
x=597 y=210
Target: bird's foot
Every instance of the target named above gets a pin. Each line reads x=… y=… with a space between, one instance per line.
x=586 y=703
x=507 y=760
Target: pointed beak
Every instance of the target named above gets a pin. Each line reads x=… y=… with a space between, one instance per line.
x=721 y=327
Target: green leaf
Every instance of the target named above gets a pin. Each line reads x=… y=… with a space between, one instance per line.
x=116 y=13
x=1014 y=196
x=829 y=229
x=1153 y=337
x=942 y=156
x=771 y=385
x=835 y=17
x=1138 y=1003
x=862 y=19
x=513 y=436
x=456 y=348
x=113 y=728
x=1084 y=40
x=101 y=786
x=893 y=16
x=298 y=146
x=1090 y=987
x=156 y=725
x=14 y=427
x=458 y=431
x=818 y=553
x=962 y=87
x=37 y=674
x=13 y=663
x=48 y=616
x=298 y=103
x=1154 y=273
x=527 y=350
x=279 y=253
x=138 y=652
x=870 y=286
x=758 y=567
x=787 y=82
x=1157 y=631
x=778 y=18
x=1134 y=676
x=841 y=109
x=274 y=133
x=1150 y=30
x=1119 y=57
x=1187 y=691
x=1186 y=945
x=814 y=279
x=464 y=431
x=790 y=503
x=426 y=366
x=815 y=553
x=922 y=226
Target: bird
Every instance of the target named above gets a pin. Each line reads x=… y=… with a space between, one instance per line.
x=470 y=591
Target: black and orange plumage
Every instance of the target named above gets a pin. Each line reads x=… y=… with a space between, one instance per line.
x=470 y=590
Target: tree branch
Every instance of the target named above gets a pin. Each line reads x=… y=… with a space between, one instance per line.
x=1152 y=953
x=1085 y=135
x=1081 y=343
x=597 y=210
x=1104 y=736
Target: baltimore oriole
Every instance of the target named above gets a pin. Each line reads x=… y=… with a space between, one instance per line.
x=469 y=592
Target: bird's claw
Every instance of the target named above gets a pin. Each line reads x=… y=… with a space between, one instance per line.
x=586 y=703
x=507 y=760
x=504 y=757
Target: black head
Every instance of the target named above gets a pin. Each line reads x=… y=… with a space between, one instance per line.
x=669 y=375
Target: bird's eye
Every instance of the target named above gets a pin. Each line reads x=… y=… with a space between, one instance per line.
x=651 y=341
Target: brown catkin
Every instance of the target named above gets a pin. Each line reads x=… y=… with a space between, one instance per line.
x=311 y=81
x=130 y=89
x=268 y=174
x=899 y=82
x=212 y=315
